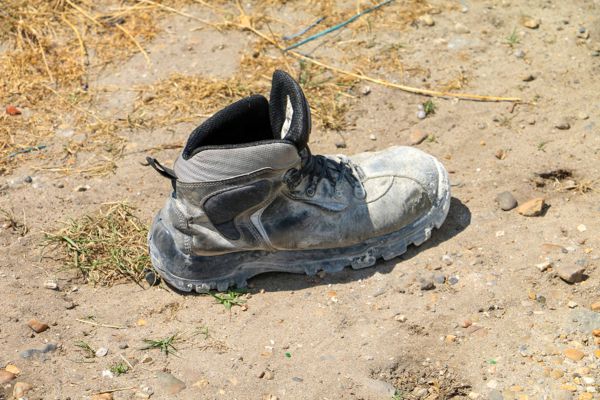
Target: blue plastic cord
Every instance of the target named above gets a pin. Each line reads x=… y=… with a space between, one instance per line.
x=338 y=26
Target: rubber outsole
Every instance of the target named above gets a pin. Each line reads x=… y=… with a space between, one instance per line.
x=222 y=272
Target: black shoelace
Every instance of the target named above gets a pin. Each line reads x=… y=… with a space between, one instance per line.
x=317 y=167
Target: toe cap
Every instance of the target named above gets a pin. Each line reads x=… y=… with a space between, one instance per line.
x=408 y=163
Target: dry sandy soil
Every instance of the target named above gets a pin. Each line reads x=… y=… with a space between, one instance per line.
x=494 y=326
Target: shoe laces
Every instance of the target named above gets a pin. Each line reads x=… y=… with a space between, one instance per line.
x=318 y=167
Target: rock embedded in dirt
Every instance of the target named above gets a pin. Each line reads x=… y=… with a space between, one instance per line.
x=528 y=78
x=530 y=22
x=506 y=201
x=439 y=278
x=12 y=369
x=169 y=383
x=365 y=90
x=571 y=273
x=427 y=284
x=12 y=110
x=37 y=326
x=101 y=352
x=421 y=114
x=427 y=20
x=51 y=284
x=532 y=208
x=519 y=53
x=563 y=124
x=574 y=354
x=400 y=318
x=6 y=376
x=417 y=137
x=21 y=389
x=595 y=306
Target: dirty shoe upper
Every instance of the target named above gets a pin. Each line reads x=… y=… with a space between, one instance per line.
x=249 y=197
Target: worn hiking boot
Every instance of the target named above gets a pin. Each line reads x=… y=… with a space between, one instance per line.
x=249 y=198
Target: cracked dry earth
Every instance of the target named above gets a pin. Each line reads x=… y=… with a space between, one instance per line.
x=497 y=321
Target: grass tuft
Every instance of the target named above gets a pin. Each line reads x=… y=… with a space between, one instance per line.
x=165 y=345
x=106 y=247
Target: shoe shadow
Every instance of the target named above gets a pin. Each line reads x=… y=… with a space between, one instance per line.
x=459 y=218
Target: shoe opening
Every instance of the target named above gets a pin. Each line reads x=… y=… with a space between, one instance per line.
x=244 y=121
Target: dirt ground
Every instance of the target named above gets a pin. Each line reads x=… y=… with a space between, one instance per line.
x=499 y=324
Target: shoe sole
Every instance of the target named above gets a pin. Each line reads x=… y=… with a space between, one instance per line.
x=235 y=269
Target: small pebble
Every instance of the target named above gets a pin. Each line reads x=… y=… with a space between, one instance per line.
x=581 y=228
x=28 y=179
x=51 y=284
x=582 y=115
x=427 y=284
x=453 y=280
x=417 y=137
x=439 y=278
x=531 y=23
x=532 y=208
x=123 y=346
x=506 y=201
x=427 y=20
x=421 y=114
x=365 y=90
x=571 y=304
x=37 y=326
x=563 y=124
x=528 y=78
x=543 y=266
x=82 y=188
x=400 y=318
x=519 y=53
x=101 y=352
x=372 y=137
x=446 y=259
x=574 y=354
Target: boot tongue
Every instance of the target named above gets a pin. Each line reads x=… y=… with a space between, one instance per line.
x=289 y=111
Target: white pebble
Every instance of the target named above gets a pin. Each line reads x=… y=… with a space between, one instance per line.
x=421 y=114
x=101 y=352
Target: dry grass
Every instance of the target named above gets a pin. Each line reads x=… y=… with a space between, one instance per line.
x=53 y=47
x=106 y=247
x=50 y=49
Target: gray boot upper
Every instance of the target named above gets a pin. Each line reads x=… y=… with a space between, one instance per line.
x=272 y=194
